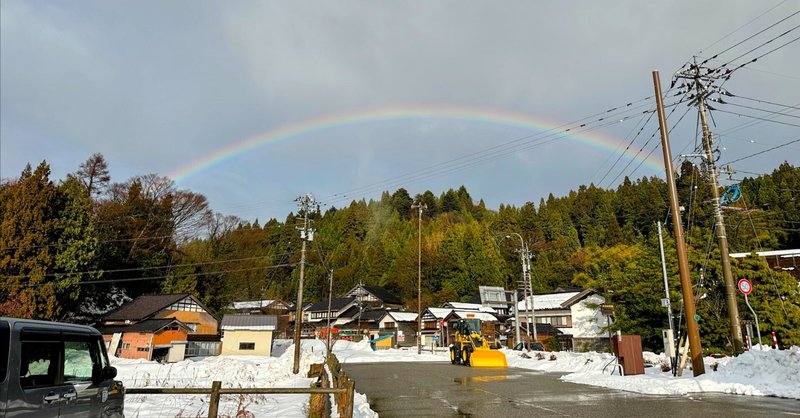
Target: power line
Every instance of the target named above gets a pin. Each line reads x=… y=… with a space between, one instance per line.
x=751 y=37
x=762 y=152
x=771 y=112
x=151 y=267
x=742 y=26
x=758 y=118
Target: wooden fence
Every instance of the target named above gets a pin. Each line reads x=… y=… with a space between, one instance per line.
x=342 y=388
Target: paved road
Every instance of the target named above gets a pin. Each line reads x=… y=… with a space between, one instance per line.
x=444 y=390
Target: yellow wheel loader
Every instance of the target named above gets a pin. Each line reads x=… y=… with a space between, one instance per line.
x=471 y=349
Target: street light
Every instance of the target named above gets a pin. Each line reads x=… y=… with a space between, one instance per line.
x=525 y=255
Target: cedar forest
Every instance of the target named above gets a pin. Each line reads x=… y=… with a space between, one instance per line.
x=73 y=248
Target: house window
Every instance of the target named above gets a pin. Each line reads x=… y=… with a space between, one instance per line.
x=145 y=349
x=247 y=346
x=126 y=346
x=202 y=348
x=389 y=325
x=318 y=315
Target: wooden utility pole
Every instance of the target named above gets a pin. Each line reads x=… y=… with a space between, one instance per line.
x=722 y=239
x=693 y=330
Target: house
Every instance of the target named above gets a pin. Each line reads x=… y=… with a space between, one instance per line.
x=365 y=322
x=402 y=324
x=248 y=334
x=152 y=339
x=433 y=323
x=376 y=297
x=497 y=298
x=203 y=336
x=576 y=314
x=315 y=316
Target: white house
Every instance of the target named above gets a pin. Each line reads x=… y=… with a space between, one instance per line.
x=576 y=314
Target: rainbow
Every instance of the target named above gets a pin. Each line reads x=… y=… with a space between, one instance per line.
x=481 y=115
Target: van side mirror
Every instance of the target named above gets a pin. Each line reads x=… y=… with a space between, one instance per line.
x=105 y=373
x=109 y=372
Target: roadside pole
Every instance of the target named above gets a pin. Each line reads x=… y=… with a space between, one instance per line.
x=746 y=288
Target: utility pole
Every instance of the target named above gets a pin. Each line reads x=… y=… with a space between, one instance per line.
x=420 y=208
x=668 y=302
x=703 y=92
x=330 y=297
x=306 y=234
x=693 y=330
x=527 y=285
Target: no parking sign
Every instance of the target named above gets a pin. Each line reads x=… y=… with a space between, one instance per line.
x=745 y=286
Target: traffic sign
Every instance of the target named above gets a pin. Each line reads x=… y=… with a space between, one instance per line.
x=745 y=286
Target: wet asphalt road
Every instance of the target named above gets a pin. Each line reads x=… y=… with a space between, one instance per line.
x=445 y=390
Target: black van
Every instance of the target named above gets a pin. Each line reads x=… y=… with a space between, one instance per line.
x=51 y=369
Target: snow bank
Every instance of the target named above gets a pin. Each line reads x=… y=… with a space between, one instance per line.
x=756 y=373
x=234 y=372
x=360 y=352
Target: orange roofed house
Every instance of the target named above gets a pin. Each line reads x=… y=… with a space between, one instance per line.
x=178 y=325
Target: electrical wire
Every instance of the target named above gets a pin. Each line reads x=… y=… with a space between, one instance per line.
x=751 y=37
x=758 y=118
x=762 y=152
x=741 y=27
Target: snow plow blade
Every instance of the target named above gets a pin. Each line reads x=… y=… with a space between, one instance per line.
x=488 y=358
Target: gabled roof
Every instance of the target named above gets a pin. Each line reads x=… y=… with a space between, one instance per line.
x=577 y=298
x=547 y=301
x=462 y=306
x=371 y=315
x=145 y=306
x=249 y=322
x=149 y=325
x=399 y=316
x=254 y=304
x=483 y=316
x=379 y=293
x=336 y=305
x=438 y=312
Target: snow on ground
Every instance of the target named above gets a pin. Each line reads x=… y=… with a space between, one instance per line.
x=233 y=371
x=759 y=373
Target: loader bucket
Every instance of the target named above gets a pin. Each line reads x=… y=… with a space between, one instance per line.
x=488 y=358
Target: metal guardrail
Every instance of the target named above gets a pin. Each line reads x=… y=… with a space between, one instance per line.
x=342 y=386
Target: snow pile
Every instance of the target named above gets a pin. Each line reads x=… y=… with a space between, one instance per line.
x=233 y=372
x=756 y=373
x=360 y=352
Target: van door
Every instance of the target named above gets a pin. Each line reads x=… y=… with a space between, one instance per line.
x=39 y=389
x=81 y=397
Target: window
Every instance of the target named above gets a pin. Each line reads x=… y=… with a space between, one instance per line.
x=38 y=366
x=247 y=346
x=202 y=348
x=389 y=325
x=126 y=346
x=78 y=361
x=145 y=349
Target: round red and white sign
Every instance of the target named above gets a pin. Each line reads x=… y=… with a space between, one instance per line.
x=745 y=286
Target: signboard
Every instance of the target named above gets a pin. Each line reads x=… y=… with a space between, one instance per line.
x=745 y=286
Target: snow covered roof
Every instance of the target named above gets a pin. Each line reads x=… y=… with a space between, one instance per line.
x=547 y=301
x=567 y=331
x=470 y=307
x=403 y=316
x=483 y=316
x=440 y=312
x=251 y=304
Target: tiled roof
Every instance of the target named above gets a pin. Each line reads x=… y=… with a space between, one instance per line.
x=249 y=322
x=383 y=294
x=336 y=305
x=143 y=307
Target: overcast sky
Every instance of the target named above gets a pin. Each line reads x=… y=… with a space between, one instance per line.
x=159 y=86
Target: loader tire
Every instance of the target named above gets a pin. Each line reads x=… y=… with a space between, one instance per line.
x=453 y=358
x=465 y=357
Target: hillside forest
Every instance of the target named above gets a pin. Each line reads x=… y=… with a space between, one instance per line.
x=76 y=247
